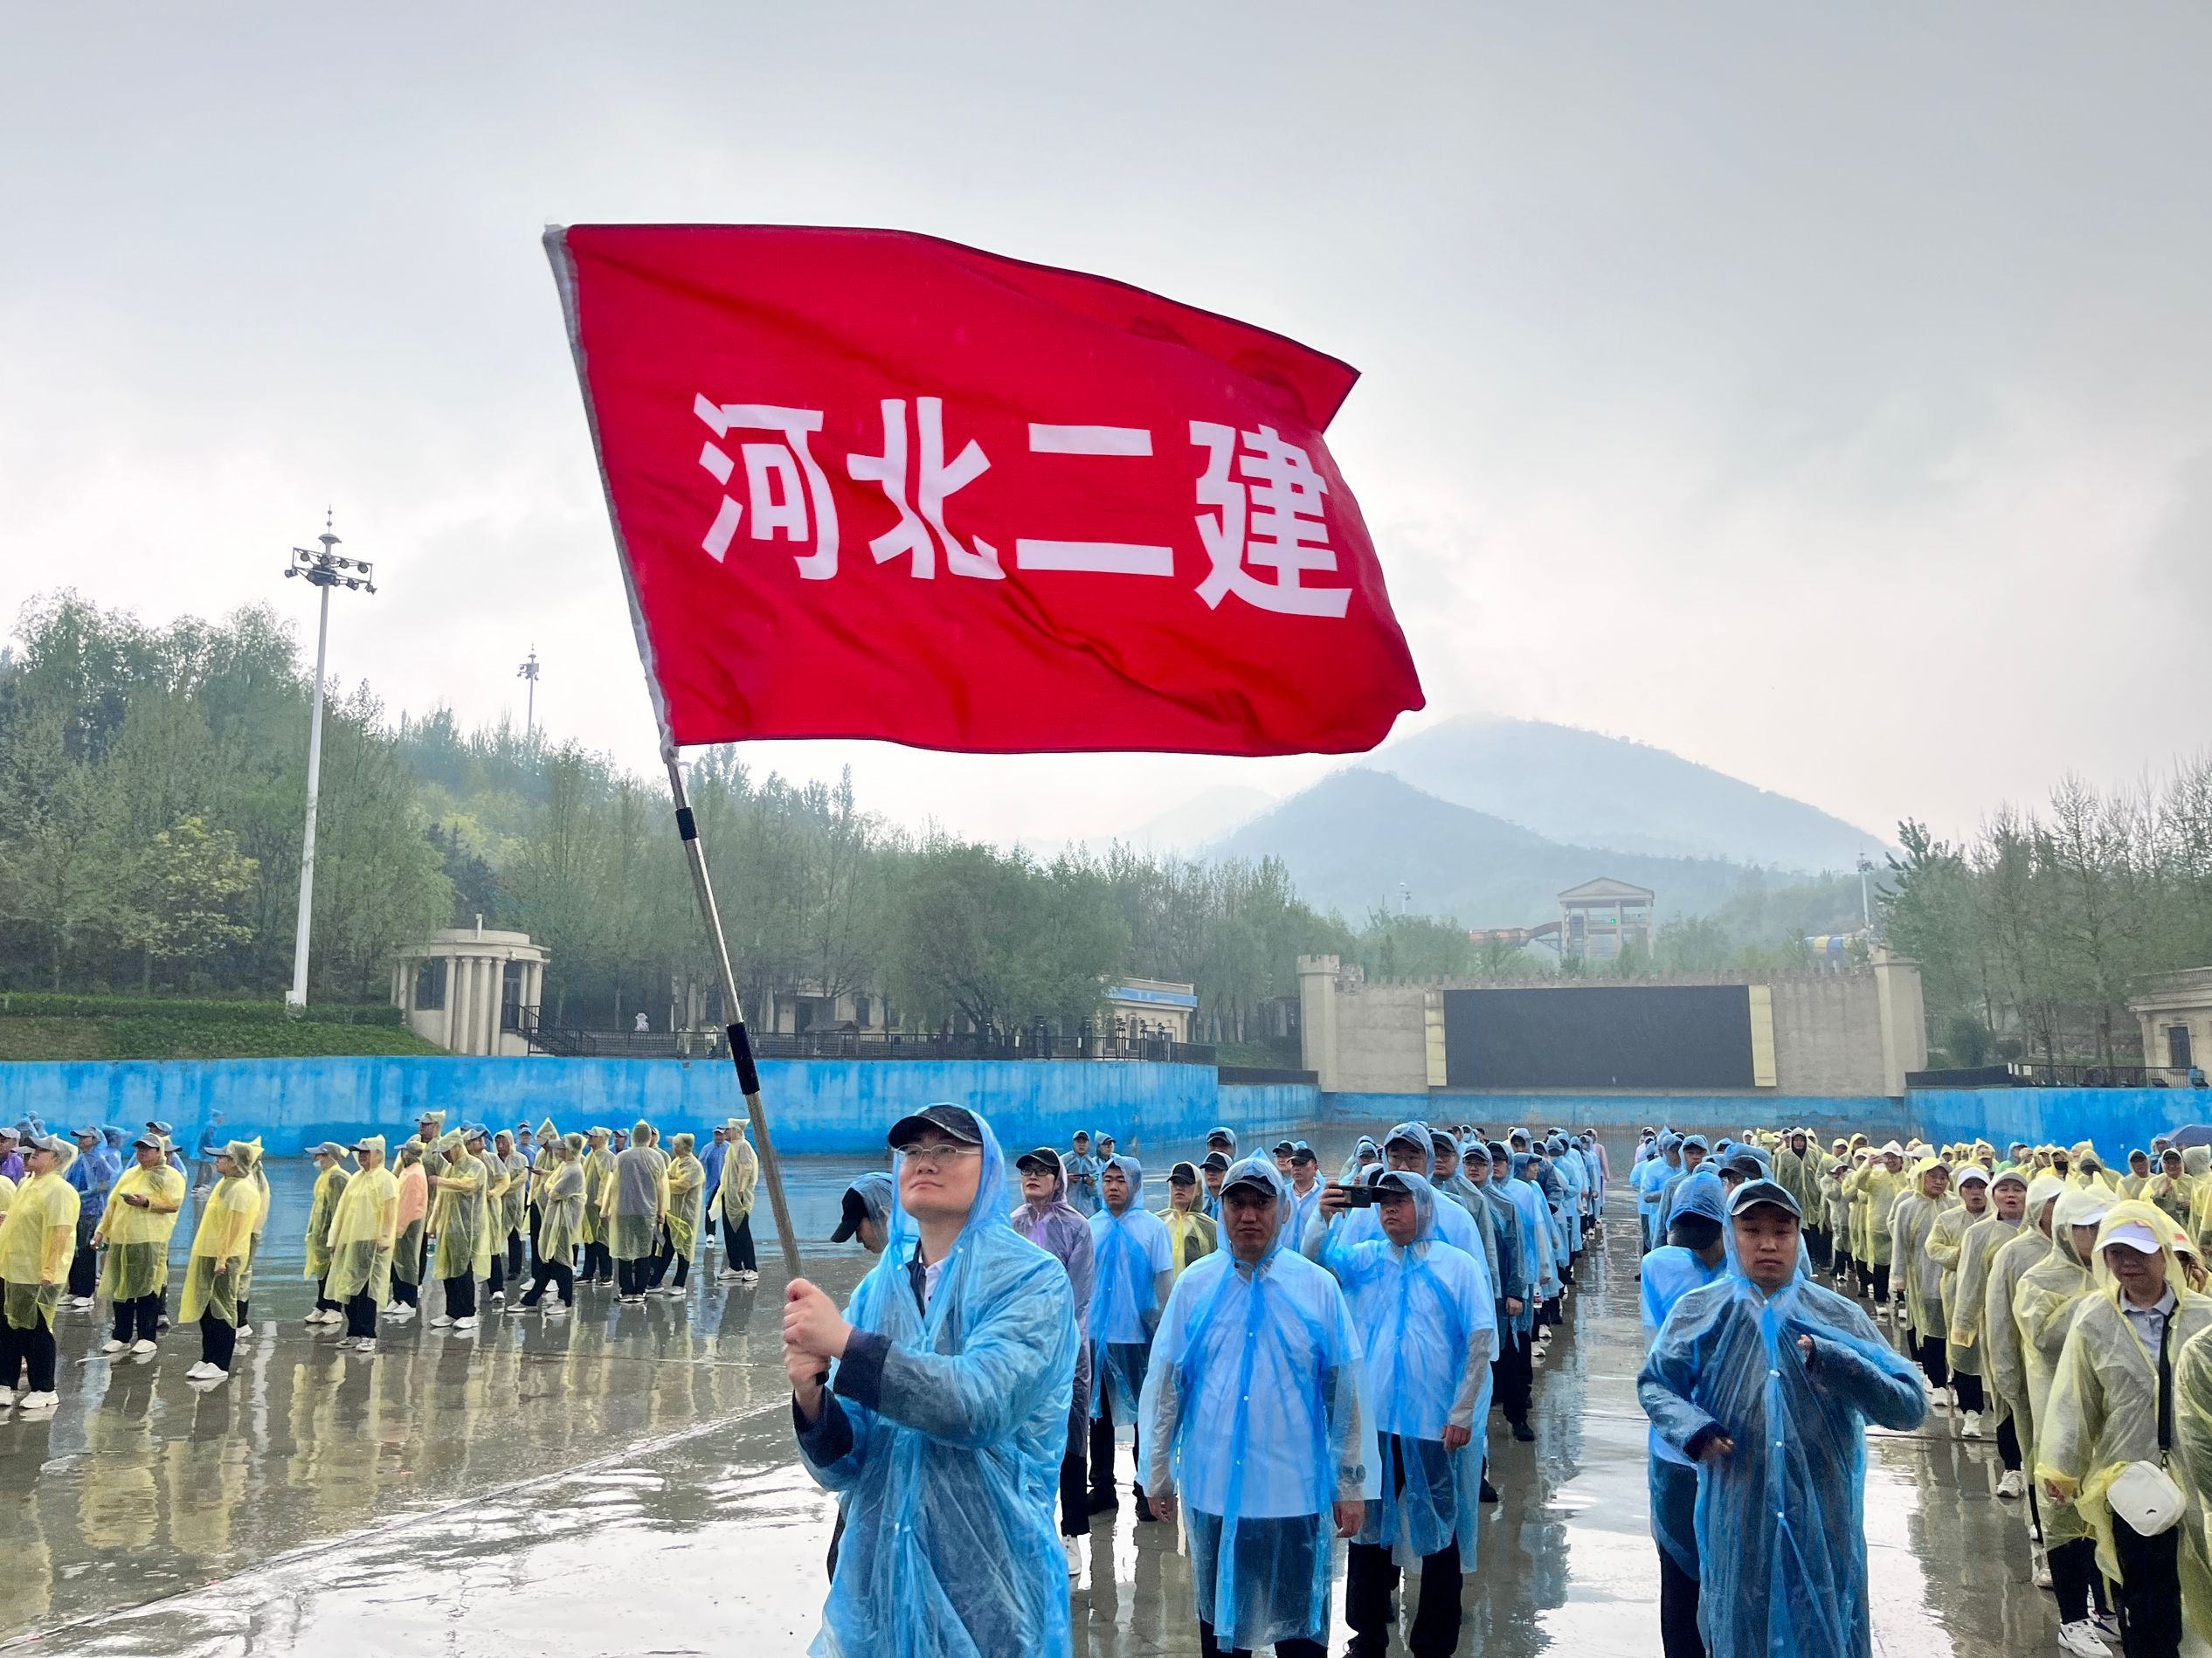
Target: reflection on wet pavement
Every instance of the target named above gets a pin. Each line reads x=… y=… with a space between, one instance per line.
x=625 y=1482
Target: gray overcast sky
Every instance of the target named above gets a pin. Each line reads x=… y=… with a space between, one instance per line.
x=1822 y=393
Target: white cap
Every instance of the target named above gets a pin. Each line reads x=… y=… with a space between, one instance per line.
x=2134 y=1234
x=2093 y=1216
x=1973 y=1171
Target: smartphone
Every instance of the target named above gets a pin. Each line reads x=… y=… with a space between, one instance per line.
x=1359 y=1197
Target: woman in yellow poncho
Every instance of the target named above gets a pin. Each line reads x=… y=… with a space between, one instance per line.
x=37 y=1243
x=1192 y=1233
x=329 y=1186
x=457 y=1216
x=364 y=1230
x=491 y=1248
x=560 y=1205
x=2171 y=1190
x=221 y=1249
x=142 y=1213
x=2104 y=1409
x=545 y=1158
x=598 y=1178
x=2043 y=1307
x=259 y=1175
x=734 y=1204
x=683 y=1186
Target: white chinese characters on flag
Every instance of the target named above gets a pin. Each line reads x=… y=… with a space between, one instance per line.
x=868 y=484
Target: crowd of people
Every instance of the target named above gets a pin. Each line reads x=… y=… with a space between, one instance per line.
x=2039 y=1299
x=1289 y=1360
x=503 y=1222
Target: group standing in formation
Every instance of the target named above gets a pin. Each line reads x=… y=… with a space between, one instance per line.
x=2039 y=1302
x=90 y=1216
x=1291 y=1361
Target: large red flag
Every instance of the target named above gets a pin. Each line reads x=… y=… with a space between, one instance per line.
x=870 y=484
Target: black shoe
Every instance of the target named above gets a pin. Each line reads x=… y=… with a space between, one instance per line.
x=1104 y=1503
x=1145 y=1510
x=1490 y=1491
x=1523 y=1433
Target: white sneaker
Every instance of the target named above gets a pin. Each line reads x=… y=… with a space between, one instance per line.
x=198 y=1371
x=1939 y=1401
x=111 y=1345
x=749 y=1277
x=2081 y=1639
x=142 y=1346
x=365 y=1346
x=2013 y=1486
x=7 y=1396
x=1074 y=1560
x=2039 y=1574
x=245 y=1330
x=39 y=1402
x=80 y=1300
x=441 y=1320
x=730 y=1276
x=1972 y=1428
x=465 y=1323
x=2105 y=1624
x=499 y=1298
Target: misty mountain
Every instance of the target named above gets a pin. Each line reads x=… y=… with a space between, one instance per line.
x=1201 y=820
x=1353 y=838
x=1575 y=786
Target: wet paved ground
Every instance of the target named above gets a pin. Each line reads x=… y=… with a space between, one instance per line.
x=624 y=1483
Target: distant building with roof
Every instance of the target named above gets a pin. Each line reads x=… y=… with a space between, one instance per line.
x=1602 y=919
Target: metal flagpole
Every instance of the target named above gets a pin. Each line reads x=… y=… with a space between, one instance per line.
x=740 y=1045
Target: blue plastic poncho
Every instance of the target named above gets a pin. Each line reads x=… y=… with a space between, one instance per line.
x=1670 y=1273
x=1129 y=1252
x=1540 y=1269
x=1779 y=1522
x=1514 y=1251
x=1455 y=1226
x=944 y=1444
x=1363 y=1153
x=1083 y=1180
x=1425 y=1312
x=1450 y=1186
x=1254 y=1418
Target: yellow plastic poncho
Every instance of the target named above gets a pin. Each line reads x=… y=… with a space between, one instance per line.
x=413 y=1183
x=7 y=1195
x=2132 y=1184
x=490 y=1238
x=2004 y=1364
x=2044 y=1307
x=740 y=1175
x=2174 y=1195
x=514 y=1195
x=37 y=1242
x=457 y=1209
x=685 y=1184
x=2196 y=1162
x=364 y=1230
x=1913 y=1219
x=560 y=1208
x=137 y=1240
x=329 y=1186
x=1966 y=1287
x=1873 y=1191
x=258 y=1178
x=633 y=1198
x=1945 y=1249
x=1191 y=1235
x=598 y=1179
x=2103 y=1408
x=215 y=1277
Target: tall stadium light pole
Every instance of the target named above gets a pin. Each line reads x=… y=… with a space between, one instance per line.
x=1866 y=907
x=528 y=670
x=324 y=569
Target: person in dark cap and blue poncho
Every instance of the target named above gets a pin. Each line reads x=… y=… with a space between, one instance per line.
x=1048 y=1220
x=937 y=1408
x=1257 y=1426
x=1765 y=1381
x=1693 y=1256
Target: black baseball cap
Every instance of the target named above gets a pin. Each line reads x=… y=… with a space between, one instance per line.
x=1043 y=1160
x=1745 y=1164
x=1182 y=1174
x=849 y=1222
x=1395 y=1180
x=1245 y=1174
x=1215 y=1160
x=955 y=1120
x=1301 y=1152
x=1284 y=1148
x=1753 y=1193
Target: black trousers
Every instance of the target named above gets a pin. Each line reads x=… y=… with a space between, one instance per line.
x=1816 y=1240
x=1371 y=1580
x=1970 y=1394
x=1074 y=1488
x=598 y=1265
x=631 y=1276
x=2009 y=1444
x=84 y=1271
x=361 y=1316
x=1882 y=1283
x=1935 y=1361
x=219 y=1340
x=138 y=1320
x=552 y=1272
x=1678 y=1636
x=1512 y=1376
x=498 y=1284
x=28 y=1350
x=515 y=1255
x=322 y=1302
x=2150 y=1591
x=2074 y=1576
x=461 y=1295
x=667 y=1256
x=741 y=1257
x=405 y=1293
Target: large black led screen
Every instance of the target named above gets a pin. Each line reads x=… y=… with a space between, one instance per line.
x=1628 y=1036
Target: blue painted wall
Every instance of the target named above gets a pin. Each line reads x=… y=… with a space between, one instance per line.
x=2119 y=1120
x=815 y=1107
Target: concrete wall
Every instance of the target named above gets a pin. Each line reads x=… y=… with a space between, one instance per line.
x=814 y=1105
x=2119 y=1120
x=1825 y=1115
x=1845 y=1035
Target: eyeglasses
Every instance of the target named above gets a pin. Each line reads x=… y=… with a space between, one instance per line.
x=937 y=1154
